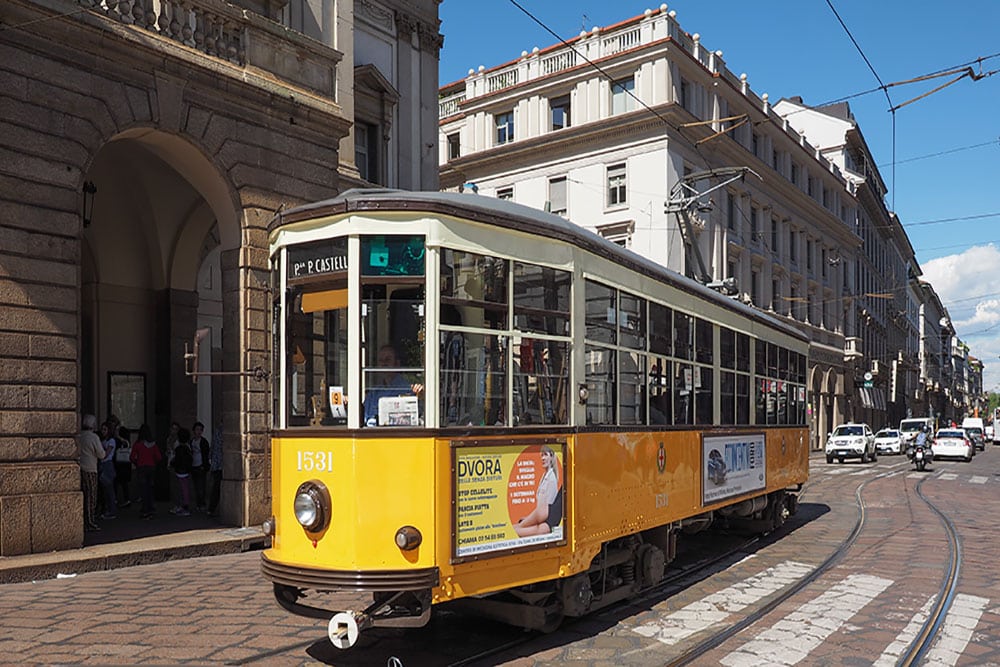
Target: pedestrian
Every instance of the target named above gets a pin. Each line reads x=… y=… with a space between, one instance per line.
x=145 y=455
x=91 y=453
x=106 y=472
x=215 y=471
x=199 y=462
x=182 y=471
x=123 y=467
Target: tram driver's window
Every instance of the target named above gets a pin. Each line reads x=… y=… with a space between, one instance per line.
x=317 y=355
x=393 y=330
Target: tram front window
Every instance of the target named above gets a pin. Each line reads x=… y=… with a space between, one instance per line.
x=393 y=330
x=317 y=356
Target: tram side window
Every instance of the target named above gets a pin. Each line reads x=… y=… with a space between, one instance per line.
x=392 y=329
x=660 y=398
x=703 y=341
x=317 y=356
x=743 y=353
x=727 y=349
x=473 y=364
x=540 y=370
x=632 y=318
x=541 y=380
x=703 y=395
x=473 y=379
x=760 y=357
x=742 y=399
x=632 y=387
x=600 y=378
x=541 y=299
x=602 y=313
x=683 y=335
x=660 y=334
x=473 y=290
x=727 y=394
x=683 y=384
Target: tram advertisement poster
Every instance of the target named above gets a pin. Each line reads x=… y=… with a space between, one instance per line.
x=508 y=496
x=732 y=465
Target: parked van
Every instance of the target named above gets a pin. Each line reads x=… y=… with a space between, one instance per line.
x=910 y=427
x=973 y=426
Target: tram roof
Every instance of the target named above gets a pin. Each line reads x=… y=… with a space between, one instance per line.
x=511 y=215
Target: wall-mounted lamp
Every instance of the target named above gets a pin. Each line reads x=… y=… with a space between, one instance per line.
x=89 y=190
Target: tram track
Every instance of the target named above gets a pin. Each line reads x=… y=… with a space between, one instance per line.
x=929 y=629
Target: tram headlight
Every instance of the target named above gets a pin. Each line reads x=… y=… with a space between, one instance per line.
x=408 y=538
x=312 y=506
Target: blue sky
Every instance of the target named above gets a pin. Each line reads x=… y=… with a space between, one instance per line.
x=947 y=145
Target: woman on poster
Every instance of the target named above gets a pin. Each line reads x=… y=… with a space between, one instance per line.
x=548 y=500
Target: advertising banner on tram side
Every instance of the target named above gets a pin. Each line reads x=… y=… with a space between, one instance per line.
x=508 y=496
x=732 y=465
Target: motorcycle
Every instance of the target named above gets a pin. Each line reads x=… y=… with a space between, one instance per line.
x=920 y=454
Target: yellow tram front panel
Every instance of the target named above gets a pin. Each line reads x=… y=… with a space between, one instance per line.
x=376 y=486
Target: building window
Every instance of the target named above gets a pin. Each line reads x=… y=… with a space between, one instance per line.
x=823 y=262
x=776 y=296
x=754 y=142
x=617 y=192
x=505 y=128
x=454 y=146
x=730 y=211
x=619 y=233
x=809 y=255
x=774 y=236
x=560 y=112
x=755 y=287
x=623 y=95
x=754 y=224
x=507 y=194
x=557 y=196
x=792 y=254
x=795 y=173
x=366 y=151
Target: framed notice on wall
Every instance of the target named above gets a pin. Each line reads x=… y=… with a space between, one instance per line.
x=127 y=398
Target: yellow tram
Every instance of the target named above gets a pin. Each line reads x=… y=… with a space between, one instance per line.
x=480 y=404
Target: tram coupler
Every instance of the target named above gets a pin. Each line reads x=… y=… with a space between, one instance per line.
x=345 y=626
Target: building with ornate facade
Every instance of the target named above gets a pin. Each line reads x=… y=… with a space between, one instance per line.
x=606 y=147
x=616 y=126
x=145 y=147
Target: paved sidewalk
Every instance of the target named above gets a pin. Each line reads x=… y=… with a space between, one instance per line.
x=129 y=540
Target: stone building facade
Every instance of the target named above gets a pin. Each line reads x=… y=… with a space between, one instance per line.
x=144 y=148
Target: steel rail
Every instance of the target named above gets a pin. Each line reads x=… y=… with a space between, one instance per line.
x=928 y=633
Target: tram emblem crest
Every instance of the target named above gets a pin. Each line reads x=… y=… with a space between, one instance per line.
x=661 y=459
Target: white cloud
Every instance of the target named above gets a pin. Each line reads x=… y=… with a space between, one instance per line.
x=969 y=287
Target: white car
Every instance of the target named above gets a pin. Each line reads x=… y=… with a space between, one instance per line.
x=889 y=441
x=952 y=443
x=851 y=441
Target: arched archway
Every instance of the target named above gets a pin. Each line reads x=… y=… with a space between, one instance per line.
x=163 y=218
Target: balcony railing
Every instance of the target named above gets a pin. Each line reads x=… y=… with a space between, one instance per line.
x=220 y=30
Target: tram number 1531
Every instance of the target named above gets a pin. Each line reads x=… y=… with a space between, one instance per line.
x=315 y=461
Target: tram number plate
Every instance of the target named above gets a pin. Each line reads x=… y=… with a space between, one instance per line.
x=315 y=462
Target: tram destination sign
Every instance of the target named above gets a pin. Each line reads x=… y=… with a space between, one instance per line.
x=313 y=259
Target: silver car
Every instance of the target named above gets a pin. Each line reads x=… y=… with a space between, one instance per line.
x=889 y=441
